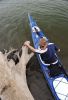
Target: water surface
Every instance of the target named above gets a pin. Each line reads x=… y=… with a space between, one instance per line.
x=51 y=16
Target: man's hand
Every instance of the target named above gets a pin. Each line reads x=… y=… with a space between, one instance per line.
x=58 y=50
x=27 y=43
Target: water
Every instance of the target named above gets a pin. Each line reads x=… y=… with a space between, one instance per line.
x=51 y=16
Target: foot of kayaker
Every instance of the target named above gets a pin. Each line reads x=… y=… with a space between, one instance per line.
x=36 y=30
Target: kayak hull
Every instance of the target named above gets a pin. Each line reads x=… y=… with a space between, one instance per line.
x=54 y=83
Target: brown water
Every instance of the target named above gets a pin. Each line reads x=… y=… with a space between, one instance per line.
x=51 y=16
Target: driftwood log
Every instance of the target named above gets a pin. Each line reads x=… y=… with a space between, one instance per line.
x=13 y=83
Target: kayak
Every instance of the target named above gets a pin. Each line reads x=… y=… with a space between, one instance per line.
x=58 y=83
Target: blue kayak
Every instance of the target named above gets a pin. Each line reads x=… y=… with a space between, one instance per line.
x=57 y=83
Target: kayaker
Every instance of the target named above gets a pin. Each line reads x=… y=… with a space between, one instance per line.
x=48 y=55
x=46 y=50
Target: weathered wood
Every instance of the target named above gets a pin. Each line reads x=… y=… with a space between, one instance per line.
x=13 y=83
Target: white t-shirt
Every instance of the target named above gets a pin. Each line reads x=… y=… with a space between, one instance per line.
x=40 y=50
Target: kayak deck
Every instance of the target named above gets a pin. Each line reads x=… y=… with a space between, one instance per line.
x=60 y=84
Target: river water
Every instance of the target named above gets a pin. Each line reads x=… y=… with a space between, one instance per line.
x=51 y=16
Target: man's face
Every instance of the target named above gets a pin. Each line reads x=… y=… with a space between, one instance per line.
x=42 y=42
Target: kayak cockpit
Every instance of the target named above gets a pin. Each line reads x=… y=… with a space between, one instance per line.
x=53 y=70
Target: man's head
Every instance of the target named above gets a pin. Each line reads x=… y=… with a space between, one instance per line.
x=43 y=42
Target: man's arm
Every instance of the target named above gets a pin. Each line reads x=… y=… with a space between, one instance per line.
x=27 y=43
x=31 y=48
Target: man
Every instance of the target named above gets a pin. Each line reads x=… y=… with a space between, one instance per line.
x=46 y=50
x=48 y=55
